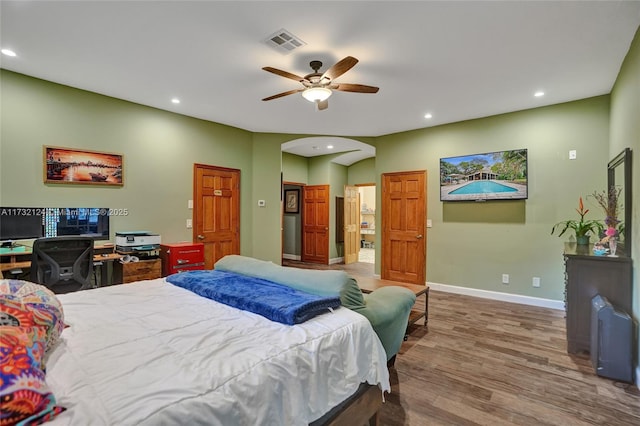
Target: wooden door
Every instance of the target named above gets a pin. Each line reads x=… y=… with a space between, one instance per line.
x=216 y=211
x=404 y=212
x=315 y=224
x=351 y=224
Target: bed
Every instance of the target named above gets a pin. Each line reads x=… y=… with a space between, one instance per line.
x=152 y=353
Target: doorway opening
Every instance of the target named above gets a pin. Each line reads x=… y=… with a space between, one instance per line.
x=367 y=252
x=292 y=225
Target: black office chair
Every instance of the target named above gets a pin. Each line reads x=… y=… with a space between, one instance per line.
x=63 y=264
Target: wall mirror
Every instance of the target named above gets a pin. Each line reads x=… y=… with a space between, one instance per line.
x=619 y=175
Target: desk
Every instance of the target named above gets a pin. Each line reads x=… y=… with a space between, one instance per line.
x=102 y=257
x=101 y=262
x=370 y=284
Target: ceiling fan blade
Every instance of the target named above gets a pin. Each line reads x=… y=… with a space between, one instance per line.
x=284 y=74
x=279 y=95
x=322 y=104
x=359 y=88
x=340 y=68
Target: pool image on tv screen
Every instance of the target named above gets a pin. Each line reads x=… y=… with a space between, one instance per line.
x=498 y=175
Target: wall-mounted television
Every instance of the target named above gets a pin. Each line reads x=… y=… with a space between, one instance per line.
x=500 y=175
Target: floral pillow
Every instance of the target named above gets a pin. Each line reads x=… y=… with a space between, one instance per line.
x=24 y=393
x=26 y=304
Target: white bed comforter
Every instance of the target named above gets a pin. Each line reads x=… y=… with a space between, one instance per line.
x=150 y=353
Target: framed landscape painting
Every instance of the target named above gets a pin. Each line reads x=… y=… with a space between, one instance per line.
x=80 y=166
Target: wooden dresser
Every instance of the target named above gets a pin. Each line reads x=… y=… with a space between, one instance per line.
x=124 y=273
x=585 y=276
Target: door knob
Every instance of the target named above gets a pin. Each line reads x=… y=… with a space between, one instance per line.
x=201 y=237
x=419 y=236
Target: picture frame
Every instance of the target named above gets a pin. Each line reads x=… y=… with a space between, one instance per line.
x=81 y=166
x=292 y=201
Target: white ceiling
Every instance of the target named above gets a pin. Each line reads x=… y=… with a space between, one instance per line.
x=457 y=60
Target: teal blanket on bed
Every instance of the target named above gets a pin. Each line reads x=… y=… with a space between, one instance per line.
x=274 y=301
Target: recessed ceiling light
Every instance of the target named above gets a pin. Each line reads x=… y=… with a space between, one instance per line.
x=428 y=115
x=538 y=94
x=329 y=146
x=8 y=52
x=175 y=100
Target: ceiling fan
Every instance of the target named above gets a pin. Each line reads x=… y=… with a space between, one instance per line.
x=317 y=86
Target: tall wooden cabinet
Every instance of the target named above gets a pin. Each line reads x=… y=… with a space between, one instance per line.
x=585 y=276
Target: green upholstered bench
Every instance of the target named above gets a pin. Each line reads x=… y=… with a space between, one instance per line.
x=387 y=309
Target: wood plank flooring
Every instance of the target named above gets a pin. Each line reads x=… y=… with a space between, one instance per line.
x=485 y=362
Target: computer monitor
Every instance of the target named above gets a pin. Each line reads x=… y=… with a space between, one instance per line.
x=20 y=223
x=78 y=221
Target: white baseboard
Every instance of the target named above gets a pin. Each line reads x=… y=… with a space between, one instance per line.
x=297 y=257
x=496 y=295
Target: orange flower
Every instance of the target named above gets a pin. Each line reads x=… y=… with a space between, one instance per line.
x=581 y=211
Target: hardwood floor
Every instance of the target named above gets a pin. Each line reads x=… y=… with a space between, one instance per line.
x=485 y=362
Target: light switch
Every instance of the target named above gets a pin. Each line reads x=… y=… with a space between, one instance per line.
x=190 y=204
x=573 y=154
x=189 y=223
x=429 y=224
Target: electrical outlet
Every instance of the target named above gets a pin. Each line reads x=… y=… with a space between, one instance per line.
x=536 y=281
x=573 y=154
x=505 y=278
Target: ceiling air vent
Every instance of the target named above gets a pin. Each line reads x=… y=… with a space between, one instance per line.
x=284 y=42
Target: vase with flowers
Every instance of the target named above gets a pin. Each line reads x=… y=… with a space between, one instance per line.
x=610 y=203
x=582 y=228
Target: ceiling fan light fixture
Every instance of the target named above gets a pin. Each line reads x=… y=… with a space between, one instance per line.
x=316 y=94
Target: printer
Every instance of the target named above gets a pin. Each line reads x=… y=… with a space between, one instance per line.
x=142 y=244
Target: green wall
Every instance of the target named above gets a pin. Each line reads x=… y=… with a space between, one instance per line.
x=294 y=168
x=266 y=227
x=625 y=132
x=363 y=171
x=491 y=239
x=159 y=151
x=337 y=182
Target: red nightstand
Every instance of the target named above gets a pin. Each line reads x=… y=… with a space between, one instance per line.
x=180 y=257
